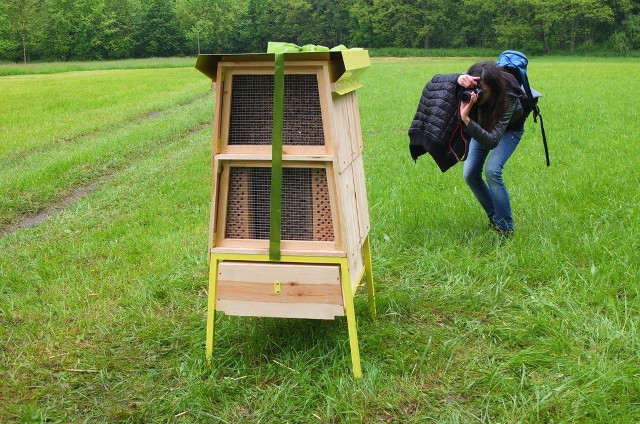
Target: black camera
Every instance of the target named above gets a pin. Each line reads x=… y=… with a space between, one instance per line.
x=465 y=96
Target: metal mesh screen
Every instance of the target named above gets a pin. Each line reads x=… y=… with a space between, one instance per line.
x=251 y=119
x=306 y=206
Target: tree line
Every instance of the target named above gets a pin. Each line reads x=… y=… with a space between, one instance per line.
x=62 y=30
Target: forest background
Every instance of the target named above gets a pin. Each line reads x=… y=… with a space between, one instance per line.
x=65 y=30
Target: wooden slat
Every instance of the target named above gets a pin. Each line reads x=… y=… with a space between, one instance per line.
x=275 y=310
x=217 y=114
x=355 y=131
x=290 y=292
x=215 y=191
x=221 y=203
x=263 y=249
x=225 y=112
x=347 y=133
x=256 y=272
x=324 y=90
x=360 y=191
x=254 y=152
x=315 y=248
x=341 y=144
x=350 y=222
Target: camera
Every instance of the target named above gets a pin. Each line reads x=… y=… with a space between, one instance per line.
x=465 y=96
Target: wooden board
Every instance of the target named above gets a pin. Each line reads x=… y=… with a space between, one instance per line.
x=276 y=310
x=347 y=135
x=362 y=205
x=351 y=220
x=279 y=290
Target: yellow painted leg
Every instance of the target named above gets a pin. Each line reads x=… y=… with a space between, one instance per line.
x=366 y=248
x=211 y=309
x=347 y=295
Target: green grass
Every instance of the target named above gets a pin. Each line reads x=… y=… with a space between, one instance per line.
x=57 y=67
x=102 y=305
x=78 y=103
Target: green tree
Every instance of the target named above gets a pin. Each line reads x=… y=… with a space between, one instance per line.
x=476 y=25
x=158 y=33
x=565 y=23
x=79 y=30
x=108 y=29
x=631 y=30
x=265 y=20
x=361 y=28
x=59 y=30
x=6 y=45
x=549 y=20
x=114 y=37
x=386 y=23
x=328 y=23
x=85 y=18
x=290 y=20
x=583 y=17
x=513 y=27
x=25 y=30
x=253 y=27
x=208 y=25
x=435 y=18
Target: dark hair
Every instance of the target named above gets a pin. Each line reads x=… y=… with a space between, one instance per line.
x=497 y=104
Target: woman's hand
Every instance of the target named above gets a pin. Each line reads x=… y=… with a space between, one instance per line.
x=465 y=108
x=467 y=81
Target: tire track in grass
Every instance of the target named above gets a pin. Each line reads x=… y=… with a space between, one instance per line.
x=66 y=194
x=76 y=194
x=32 y=220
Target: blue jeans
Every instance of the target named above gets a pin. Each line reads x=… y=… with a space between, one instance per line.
x=492 y=194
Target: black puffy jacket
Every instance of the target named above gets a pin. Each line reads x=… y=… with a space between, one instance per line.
x=436 y=128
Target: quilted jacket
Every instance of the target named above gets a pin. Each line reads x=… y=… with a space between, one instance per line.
x=436 y=128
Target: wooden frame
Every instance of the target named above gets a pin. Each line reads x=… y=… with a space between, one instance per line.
x=219 y=210
x=223 y=108
x=317 y=278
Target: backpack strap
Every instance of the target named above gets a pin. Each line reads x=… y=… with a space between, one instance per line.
x=525 y=82
x=544 y=136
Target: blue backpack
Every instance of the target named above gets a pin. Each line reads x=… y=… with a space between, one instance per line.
x=516 y=63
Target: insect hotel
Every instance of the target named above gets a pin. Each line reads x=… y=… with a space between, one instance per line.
x=289 y=230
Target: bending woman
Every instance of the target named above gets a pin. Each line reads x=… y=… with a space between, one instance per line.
x=493 y=121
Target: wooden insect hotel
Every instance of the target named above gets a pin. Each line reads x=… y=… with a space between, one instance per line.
x=289 y=230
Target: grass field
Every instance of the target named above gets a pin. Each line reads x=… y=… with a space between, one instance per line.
x=104 y=203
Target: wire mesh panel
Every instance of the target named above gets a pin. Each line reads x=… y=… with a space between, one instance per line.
x=251 y=119
x=306 y=206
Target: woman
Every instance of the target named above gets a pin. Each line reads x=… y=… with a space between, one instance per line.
x=493 y=122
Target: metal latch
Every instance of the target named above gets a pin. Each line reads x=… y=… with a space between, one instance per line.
x=276 y=287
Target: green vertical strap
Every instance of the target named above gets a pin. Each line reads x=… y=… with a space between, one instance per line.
x=276 y=160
